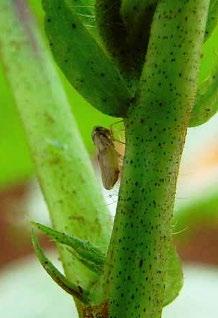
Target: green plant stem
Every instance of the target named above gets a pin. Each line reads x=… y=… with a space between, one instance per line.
x=155 y=135
x=62 y=164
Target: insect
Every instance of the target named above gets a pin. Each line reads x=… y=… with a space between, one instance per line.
x=108 y=157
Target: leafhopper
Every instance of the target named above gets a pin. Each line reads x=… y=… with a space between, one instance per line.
x=108 y=157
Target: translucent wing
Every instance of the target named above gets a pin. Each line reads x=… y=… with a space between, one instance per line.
x=109 y=165
x=108 y=157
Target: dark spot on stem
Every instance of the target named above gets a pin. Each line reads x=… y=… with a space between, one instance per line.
x=141 y=263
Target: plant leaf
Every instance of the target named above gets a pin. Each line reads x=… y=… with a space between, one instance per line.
x=174 y=276
x=84 y=249
x=85 y=11
x=206 y=104
x=57 y=276
x=92 y=258
x=97 y=268
x=82 y=7
x=83 y=61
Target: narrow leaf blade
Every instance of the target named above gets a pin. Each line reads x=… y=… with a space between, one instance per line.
x=84 y=249
x=54 y=273
x=96 y=268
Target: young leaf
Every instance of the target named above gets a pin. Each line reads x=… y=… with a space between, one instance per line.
x=94 y=267
x=206 y=104
x=92 y=258
x=83 y=61
x=174 y=276
x=58 y=277
x=84 y=249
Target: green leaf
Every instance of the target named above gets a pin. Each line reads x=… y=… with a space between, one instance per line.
x=96 y=268
x=212 y=21
x=83 y=7
x=87 y=117
x=83 y=61
x=58 y=277
x=174 y=276
x=87 y=251
x=92 y=258
x=206 y=104
x=84 y=10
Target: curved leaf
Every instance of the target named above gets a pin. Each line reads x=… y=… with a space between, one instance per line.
x=85 y=10
x=206 y=104
x=83 y=61
x=174 y=277
x=84 y=249
x=92 y=258
x=57 y=276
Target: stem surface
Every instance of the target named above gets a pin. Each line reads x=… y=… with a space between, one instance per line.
x=155 y=134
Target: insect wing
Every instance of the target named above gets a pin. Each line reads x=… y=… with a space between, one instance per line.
x=109 y=165
x=108 y=157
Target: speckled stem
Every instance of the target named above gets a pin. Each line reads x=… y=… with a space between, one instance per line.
x=155 y=135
